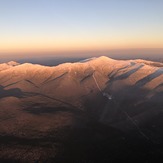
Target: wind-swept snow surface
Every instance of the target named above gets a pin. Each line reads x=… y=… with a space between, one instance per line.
x=96 y=101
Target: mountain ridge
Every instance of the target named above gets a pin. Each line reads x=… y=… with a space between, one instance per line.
x=102 y=58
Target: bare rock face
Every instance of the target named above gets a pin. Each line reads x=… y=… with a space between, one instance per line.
x=99 y=99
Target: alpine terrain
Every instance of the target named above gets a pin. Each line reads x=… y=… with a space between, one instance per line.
x=94 y=110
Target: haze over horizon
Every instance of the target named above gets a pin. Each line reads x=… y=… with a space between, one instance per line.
x=81 y=28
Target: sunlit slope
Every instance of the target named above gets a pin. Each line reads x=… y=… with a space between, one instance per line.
x=105 y=88
x=72 y=80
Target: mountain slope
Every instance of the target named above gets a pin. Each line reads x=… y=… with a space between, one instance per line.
x=75 y=84
x=125 y=95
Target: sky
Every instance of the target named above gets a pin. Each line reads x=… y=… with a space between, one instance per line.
x=37 y=27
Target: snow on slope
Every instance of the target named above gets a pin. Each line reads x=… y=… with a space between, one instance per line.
x=120 y=73
x=75 y=82
x=114 y=91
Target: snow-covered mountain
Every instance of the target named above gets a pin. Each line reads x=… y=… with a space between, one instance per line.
x=101 y=82
x=124 y=94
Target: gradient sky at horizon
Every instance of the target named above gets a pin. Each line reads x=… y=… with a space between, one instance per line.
x=42 y=26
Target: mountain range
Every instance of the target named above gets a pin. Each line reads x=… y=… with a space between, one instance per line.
x=60 y=113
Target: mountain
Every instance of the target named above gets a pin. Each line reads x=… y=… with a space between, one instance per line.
x=10 y=64
x=97 y=104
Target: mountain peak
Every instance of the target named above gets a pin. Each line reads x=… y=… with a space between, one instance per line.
x=105 y=57
x=12 y=63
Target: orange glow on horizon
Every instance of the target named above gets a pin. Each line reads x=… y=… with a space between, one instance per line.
x=33 y=46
